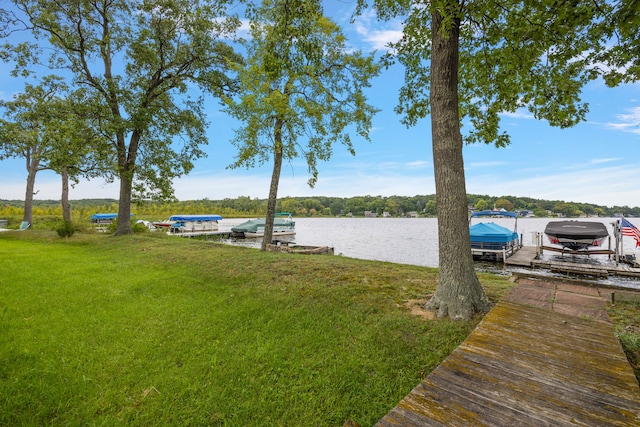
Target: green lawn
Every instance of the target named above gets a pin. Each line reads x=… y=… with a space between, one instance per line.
x=151 y=330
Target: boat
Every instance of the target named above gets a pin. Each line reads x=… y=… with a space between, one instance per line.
x=102 y=221
x=163 y=225
x=103 y=218
x=283 y=225
x=576 y=235
x=301 y=249
x=192 y=225
x=492 y=241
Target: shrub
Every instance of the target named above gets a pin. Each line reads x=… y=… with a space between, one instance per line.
x=65 y=229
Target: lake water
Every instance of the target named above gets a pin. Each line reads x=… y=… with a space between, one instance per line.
x=407 y=240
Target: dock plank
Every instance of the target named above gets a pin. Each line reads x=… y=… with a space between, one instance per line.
x=523 y=257
x=527 y=366
x=526 y=257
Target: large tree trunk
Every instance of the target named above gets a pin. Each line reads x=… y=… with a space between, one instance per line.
x=126 y=166
x=273 y=189
x=28 y=195
x=459 y=294
x=123 y=222
x=66 y=208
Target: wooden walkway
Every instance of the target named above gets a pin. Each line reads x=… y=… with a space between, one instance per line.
x=526 y=257
x=527 y=364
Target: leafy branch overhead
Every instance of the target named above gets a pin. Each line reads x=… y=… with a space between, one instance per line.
x=512 y=55
x=299 y=73
x=138 y=63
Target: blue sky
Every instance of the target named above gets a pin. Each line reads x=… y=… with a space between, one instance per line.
x=593 y=162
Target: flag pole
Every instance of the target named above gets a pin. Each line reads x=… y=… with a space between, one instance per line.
x=621 y=239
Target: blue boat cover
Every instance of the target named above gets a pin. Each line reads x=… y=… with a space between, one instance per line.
x=494 y=213
x=104 y=216
x=490 y=232
x=195 y=218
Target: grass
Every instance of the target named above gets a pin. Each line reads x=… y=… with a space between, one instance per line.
x=146 y=330
x=153 y=330
x=626 y=318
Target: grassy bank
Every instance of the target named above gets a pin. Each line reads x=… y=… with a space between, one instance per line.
x=152 y=330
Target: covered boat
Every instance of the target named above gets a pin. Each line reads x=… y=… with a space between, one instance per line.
x=576 y=235
x=283 y=225
x=103 y=218
x=193 y=225
x=490 y=240
x=101 y=221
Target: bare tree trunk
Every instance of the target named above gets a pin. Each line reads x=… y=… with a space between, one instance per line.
x=459 y=294
x=66 y=208
x=273 y=188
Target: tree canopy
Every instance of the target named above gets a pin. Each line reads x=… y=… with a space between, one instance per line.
x=138 y=61
x=301 y=91
x=35 y=129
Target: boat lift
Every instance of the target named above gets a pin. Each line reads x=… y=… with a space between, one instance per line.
x=617 y=252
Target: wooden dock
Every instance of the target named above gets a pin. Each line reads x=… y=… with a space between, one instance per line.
x=529 y=366
x=527 y=257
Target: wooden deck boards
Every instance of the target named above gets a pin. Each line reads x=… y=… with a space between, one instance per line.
x=527 y=366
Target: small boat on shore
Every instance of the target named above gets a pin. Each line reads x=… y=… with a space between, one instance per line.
x=301 y=249
x=163 y=225
x=283 y=225
x=192 y=225
x=576 y=235
x=492 y=241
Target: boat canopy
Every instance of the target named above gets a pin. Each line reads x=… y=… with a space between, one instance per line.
x=491 y=232
x=104 y=216
x=195 y=218
x=494 y=213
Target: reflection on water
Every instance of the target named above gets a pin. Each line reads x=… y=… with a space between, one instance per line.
x=412 y=240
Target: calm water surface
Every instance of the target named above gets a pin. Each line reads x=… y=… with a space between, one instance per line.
x=409 y=240
x=400 y=240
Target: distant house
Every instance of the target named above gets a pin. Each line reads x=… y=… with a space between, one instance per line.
x=370 y=214
x=386 y=214
x=412 y=214
x=525 y=213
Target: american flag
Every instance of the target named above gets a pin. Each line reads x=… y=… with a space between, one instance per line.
x=629 y=229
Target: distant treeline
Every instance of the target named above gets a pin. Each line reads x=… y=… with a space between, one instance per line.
x=395 y=206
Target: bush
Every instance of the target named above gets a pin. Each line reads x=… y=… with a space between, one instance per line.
x=65 y=229
x=135 y=227
x=139 y=227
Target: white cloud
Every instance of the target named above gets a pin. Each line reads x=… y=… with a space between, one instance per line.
x=627 y=122
x=378 y=34
x=419 y=164
x=476 y=165
x=605 y=160
x=607 y=186
x=519 y=114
